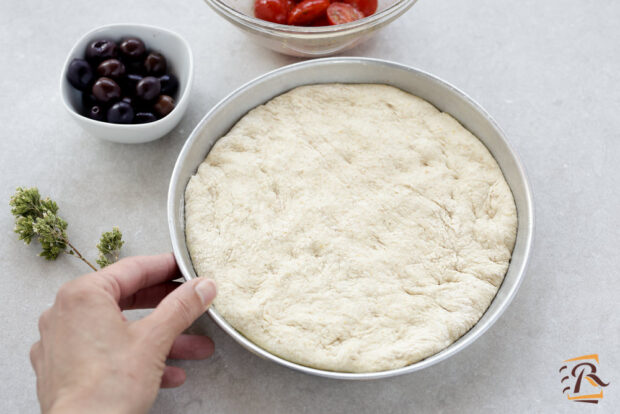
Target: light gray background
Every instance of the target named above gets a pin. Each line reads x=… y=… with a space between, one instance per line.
x=546 y=70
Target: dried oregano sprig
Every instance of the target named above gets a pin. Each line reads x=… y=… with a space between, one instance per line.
x=37 y=218
x=110 y=247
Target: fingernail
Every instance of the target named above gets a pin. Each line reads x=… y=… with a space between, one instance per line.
x=206 y=291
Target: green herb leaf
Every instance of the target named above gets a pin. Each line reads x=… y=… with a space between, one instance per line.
x=37 y=218
x=52 y=235
x=110 y=247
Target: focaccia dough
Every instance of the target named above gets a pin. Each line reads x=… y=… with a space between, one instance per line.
x=350 y=227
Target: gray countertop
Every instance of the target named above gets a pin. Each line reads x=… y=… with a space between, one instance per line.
x=546 y=70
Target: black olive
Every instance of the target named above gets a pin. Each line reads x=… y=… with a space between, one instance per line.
x=80 y=74
x=169 y=84
x=132 y=49
x=120 y=113
x=111 y=68
x=144 y=117
x=130 y=83
x=106 y=90
x=100 y=50
x=164 y=105
x=155 y=64
x=148 y=88
x=96 y=112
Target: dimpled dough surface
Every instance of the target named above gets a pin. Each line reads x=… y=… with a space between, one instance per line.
x=350 y=227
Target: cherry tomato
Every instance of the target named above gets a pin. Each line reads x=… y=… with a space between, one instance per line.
x=307 y=11
x=339 y=13
x=321 y=21
x=367 y=7
x=275 y=11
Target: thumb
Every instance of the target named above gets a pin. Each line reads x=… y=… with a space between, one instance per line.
x=177 y=311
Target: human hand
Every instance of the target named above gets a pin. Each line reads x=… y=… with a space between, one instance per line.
x=90 y=359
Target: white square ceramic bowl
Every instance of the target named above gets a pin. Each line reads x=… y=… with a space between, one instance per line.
x=180 y=62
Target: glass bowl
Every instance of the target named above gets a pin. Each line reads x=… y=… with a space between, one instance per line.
x=307 y=41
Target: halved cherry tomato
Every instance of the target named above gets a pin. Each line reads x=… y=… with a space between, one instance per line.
x=275 y=11
x=339 y=13
x=307 y=11
x=367 y=7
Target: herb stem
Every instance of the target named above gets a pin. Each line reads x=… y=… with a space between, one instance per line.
x=79 y=255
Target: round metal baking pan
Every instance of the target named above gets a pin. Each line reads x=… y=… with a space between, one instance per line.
x=444 y=96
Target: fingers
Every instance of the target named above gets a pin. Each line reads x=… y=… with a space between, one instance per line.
x=173 y=377
x=191 y=347
x=178 y=311
x=148 y=297
x=44 y=321
x=185 y=347
x=35 y=356
x=128 y=276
